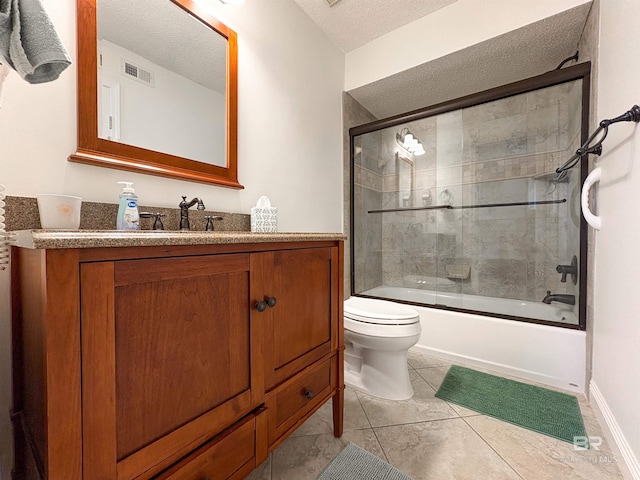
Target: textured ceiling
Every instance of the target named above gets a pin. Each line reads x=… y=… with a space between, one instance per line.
x=166 y=35
x=352 y=23
x=193 y=50
x=526 y=52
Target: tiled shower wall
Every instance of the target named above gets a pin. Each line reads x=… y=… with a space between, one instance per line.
x=496 y=152
x=367 y=236
x=354 y=114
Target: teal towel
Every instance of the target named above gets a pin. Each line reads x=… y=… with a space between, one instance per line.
x=29 y=43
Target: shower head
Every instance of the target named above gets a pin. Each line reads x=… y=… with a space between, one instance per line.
x=553 y=177
x=562 y=177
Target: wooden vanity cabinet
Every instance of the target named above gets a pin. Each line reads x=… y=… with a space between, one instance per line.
x=181 y=362
x=303 y=329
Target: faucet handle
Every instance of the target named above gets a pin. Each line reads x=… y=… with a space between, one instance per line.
x=561 y=269
x=571 y=269
x=210 y=219
x=157 y=222
x=157 y=216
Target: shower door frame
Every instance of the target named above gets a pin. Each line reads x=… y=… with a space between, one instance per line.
x=581 y=71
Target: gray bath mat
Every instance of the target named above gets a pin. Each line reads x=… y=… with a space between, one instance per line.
x=354 y=463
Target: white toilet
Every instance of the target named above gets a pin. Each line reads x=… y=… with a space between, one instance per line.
x=377 y=336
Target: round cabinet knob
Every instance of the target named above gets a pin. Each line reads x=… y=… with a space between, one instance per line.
x=309 y=393
x=271 y=301
x=261 y=306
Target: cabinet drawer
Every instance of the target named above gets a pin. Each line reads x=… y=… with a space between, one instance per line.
x=220 y=458
x=293 y=398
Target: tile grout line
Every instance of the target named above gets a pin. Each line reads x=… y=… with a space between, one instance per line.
x=464 y=419
x=372 y=429
x=481 y=437
x=494 y=450
x=386 y=458
x=435 y=390
x=420 y=422
x=428 y=383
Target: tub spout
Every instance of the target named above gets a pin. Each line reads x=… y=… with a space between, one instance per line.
x=559 y=297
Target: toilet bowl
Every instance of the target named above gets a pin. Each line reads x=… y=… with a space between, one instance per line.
x=377 y=336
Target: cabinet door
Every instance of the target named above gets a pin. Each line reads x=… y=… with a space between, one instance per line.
x=299 y=332
x=166 y=359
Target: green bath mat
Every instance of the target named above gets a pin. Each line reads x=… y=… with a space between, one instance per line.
x=545 y=411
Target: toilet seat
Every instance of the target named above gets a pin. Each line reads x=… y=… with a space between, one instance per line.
x=379 y=312
x=378 y=330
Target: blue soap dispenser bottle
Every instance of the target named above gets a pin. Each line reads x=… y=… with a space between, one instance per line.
x=128 y=216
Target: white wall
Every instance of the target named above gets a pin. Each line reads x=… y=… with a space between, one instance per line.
x=452 y=28
x=616 y=354
x=289 y=136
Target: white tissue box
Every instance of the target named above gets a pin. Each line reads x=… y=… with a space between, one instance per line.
x=264 y=219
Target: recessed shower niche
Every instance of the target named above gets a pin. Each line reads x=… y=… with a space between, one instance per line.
x=458 y=206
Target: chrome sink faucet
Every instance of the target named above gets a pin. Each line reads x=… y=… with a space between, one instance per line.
x=184 y=211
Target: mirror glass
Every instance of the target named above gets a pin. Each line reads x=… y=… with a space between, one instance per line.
x=157 y=90
x=404 y=179
x=161 y=88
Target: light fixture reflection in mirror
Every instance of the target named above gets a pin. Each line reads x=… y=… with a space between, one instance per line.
x=409 y=142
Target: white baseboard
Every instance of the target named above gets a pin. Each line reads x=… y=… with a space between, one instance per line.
x=629 y=458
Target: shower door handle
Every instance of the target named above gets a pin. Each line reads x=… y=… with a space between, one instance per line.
x=589 y=216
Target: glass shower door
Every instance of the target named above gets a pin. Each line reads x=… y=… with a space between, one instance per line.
x=463 y=209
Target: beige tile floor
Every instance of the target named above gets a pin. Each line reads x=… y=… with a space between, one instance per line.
x=431 y=439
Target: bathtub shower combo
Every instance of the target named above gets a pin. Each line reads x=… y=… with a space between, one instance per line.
x=457 y=210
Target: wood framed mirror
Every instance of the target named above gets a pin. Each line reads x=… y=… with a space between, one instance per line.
x=126 y=66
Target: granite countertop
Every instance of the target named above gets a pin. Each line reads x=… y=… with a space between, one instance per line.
x=52 y=239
